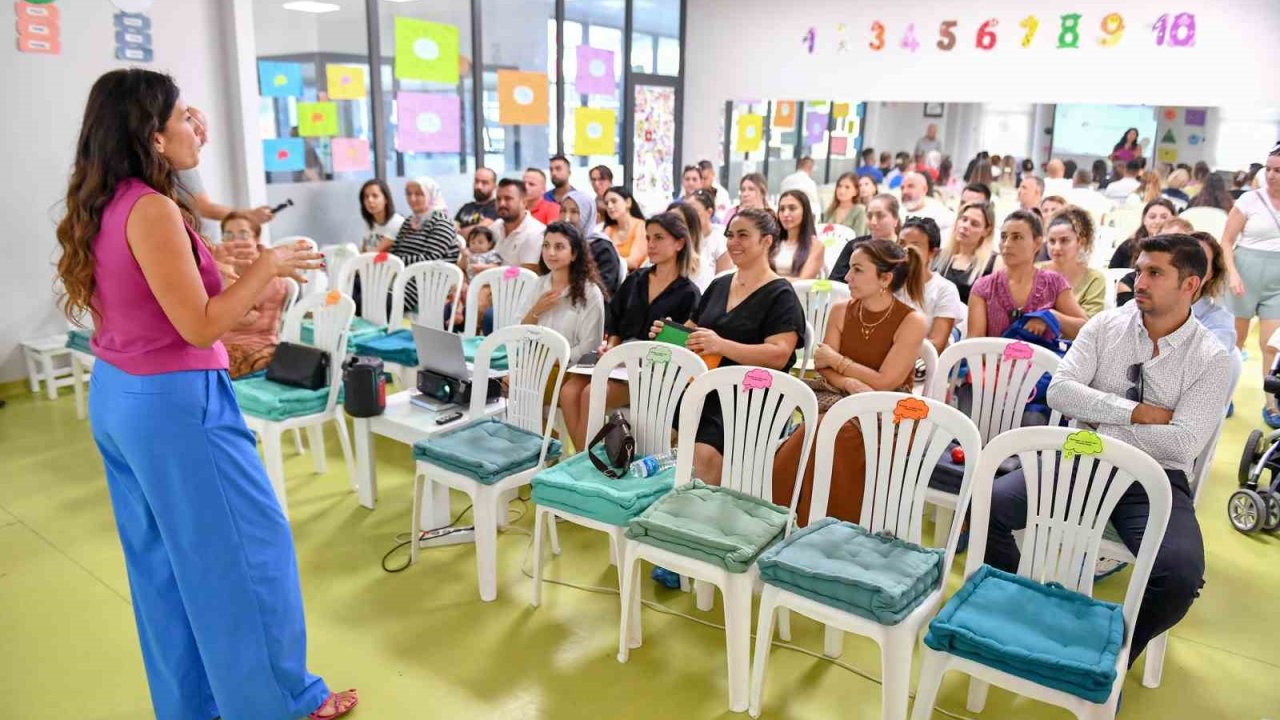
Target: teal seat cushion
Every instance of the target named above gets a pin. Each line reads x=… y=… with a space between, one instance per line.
x=1043 y=633
x=360 y=329
x=398 y=347
x=576 y=486
x=842 y=565
x=269 y=400
x=486 y=451
x=79 y=340
x=719 y=526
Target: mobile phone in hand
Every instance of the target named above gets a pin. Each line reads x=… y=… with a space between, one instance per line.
x=674 y=333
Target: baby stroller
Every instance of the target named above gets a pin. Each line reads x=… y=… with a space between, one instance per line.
x=1256 y=505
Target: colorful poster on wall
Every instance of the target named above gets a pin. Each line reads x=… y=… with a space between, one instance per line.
x=815 y=127
x=1169 y=138
x=840 y=145
x=750 y=133
x=839 y=110
x=133 y=34
x=595 y=74
x=345 y=82
x=784 y=114
x=426 y=51
x=317 y=119
x=522 y=98
x=39 y=28
x=1167 y=154
x=350 y=155
x=594 y=131
x=284 y=154
x=1194 y=117
x=279 y=79
x=428 y=122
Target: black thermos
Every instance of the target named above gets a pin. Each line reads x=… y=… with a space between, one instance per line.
x=364 y=386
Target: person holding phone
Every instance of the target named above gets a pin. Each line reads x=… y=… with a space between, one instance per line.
x=211 y=564
x=752 y=317
x=662 y=290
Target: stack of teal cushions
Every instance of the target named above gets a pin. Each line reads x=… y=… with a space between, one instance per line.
x=1043 y=633
x=576 y=486
x=398 y=347
x=269 y=400
x=486 y=450
x=79 y=340
x=716 y=525
x=842 y=565
x=360 y=329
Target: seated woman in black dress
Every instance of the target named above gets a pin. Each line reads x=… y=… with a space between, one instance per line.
x=654 y=292
x=751 y=317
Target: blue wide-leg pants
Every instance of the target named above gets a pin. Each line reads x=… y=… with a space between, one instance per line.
x=210 y=557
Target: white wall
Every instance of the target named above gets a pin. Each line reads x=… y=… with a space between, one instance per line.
x=741 y=49
x=44 y=98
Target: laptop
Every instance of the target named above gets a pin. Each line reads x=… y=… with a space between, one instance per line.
x=440 y=351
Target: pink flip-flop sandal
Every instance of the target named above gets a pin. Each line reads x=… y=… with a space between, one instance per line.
x=342 y=703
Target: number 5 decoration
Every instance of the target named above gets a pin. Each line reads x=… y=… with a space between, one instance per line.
x=947 y=35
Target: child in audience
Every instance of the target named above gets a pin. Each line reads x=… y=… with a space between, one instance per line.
x=481 y=250
x=251 y=343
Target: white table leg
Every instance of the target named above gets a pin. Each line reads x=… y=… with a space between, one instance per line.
x=366 y=463
x=33 y=373
x=50 y=382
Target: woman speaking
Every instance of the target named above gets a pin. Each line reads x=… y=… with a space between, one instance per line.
x=210 y=559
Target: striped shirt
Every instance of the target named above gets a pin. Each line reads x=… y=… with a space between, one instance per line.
x=434 y=239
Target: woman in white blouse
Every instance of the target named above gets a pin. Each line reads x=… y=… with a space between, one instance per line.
x=379 y=212
x=567 y=296
x=1251 y=249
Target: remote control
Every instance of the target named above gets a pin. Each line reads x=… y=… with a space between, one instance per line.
x=446 y=419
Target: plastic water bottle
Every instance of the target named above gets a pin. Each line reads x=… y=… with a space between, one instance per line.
x=651 y=465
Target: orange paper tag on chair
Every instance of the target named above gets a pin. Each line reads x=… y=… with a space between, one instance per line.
x=380 y=257
x=332 y=298
x=911 y=408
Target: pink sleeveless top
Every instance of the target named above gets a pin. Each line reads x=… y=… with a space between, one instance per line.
x=131 y=330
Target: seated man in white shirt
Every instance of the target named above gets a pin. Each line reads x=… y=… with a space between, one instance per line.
x=1056 y=181
x=1150 y=374
x=519 y=233
x=1120 y=190
x=915 y=202
x=1030 y=193
x=802 y=180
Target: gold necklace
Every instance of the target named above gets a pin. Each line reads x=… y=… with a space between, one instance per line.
x=867 y=328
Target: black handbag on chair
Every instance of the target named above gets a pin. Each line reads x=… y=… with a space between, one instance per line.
x=300 y=366
x=619 y=446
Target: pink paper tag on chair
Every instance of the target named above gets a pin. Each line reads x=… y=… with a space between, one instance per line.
x=380 y=257
x=1017 y=350
x=332 y=298
x=1082 y=442
x=511 y=273
x=911 y=408
x=757 y=379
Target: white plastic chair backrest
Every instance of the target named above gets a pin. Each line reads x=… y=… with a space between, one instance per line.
x=818 y=297
x=1206 y=219
x=331 y=315
x=810 y=343
x=511 y=287
x=757 y=405
x=833 y=237
x=1003 y=375
x=378 y=273
x=336 y=258
x=657 y=375
x=532 y=353
x=317 y=280
x=1114 y=276
x=929 y=355
x=1074 y=480
x=1203 y=463
x=1124 y=218
x=904 y=436
x=436 y=281
x=291 y=293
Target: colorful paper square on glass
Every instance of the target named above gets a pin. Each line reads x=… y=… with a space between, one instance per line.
x=279 y=79
x=426 y=51
x=784 y=114
x=345 y=82
x=284 y=154
x=840 y=145
x=815 y=127
x=750 y=132
x=595 y=72
x=1194 y=117
x=1167 y=154
x=428 y=122
x=317 y=119
x=594 y=131
x=350 y=155
x=839 y=110
x=522 y=98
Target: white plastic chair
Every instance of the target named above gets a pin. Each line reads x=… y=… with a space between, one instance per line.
x=331 y=323
x=1114 y=276
x=928 y=355
x=532 y=352
x=437 y=283
x=1001 y=390
x=1066 y=516
x=833 y=237
x=336 y=258
x=817 y=297
x=755 y=416
x=318 y=281
x=511 y=286
x=656 y=386
x=1206 y=219
x=377 y=278
x=1153 y=664
x=292 y=290
x=893 y=502
x=1126 y=219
